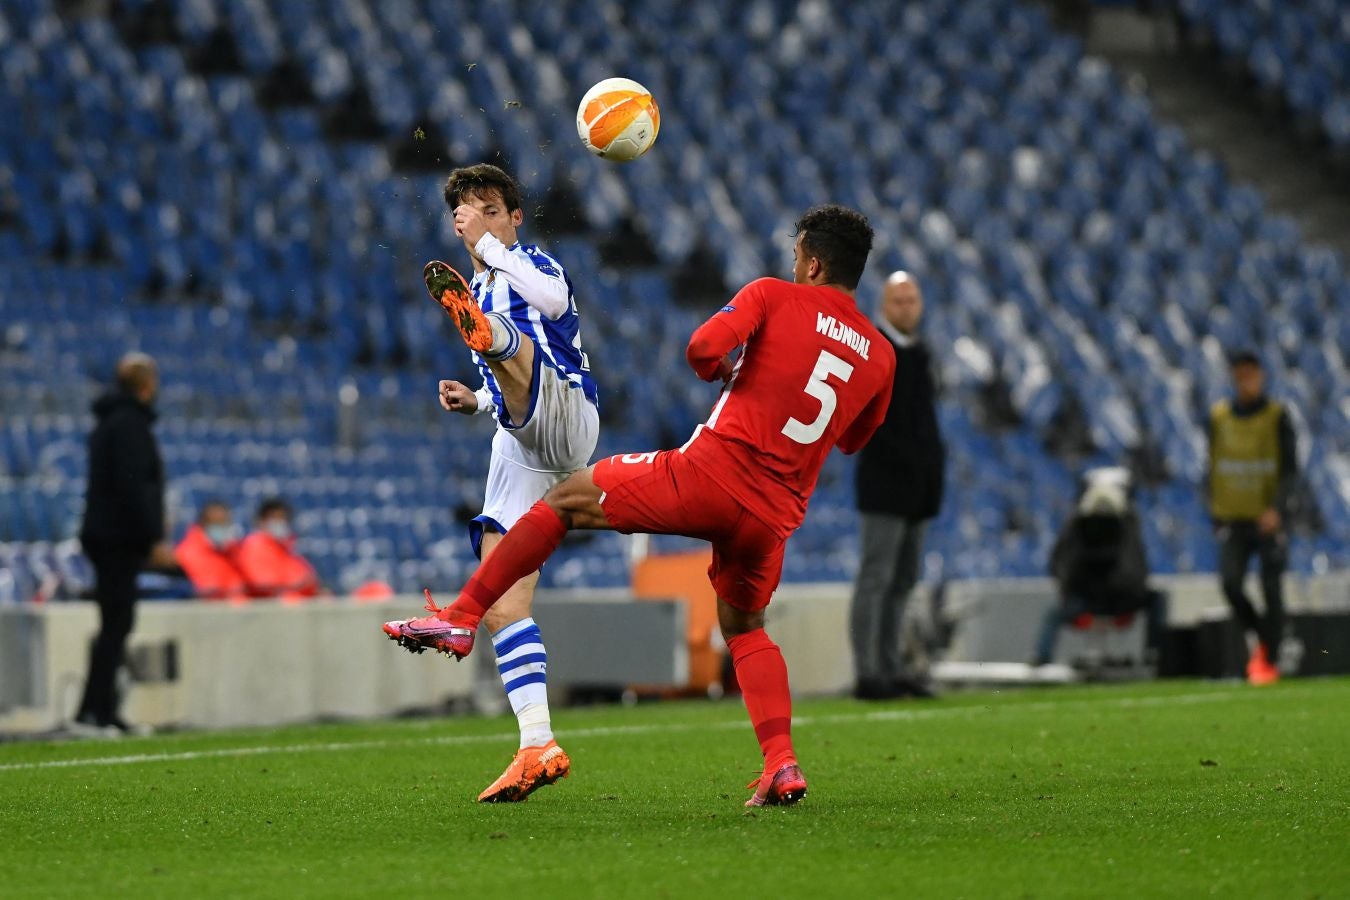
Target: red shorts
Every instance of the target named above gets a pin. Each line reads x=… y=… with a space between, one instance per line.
x=665 y=493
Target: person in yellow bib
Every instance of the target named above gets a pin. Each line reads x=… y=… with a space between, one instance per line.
x=1252 y=467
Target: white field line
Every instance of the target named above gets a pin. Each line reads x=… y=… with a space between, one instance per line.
x=881 y=715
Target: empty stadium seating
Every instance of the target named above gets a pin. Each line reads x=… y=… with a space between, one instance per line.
x=218 y=186
x=1298 y=50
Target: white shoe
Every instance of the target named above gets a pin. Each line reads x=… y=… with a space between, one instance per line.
x=93 y=730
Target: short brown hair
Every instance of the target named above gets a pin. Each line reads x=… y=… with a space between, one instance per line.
x=477 y=181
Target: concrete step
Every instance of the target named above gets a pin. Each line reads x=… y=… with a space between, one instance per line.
x=1222 y=116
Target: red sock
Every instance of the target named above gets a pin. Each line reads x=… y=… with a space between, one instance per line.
x=521 y=551
x=763 y=677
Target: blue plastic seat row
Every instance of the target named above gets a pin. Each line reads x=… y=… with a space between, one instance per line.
x=1027 y=186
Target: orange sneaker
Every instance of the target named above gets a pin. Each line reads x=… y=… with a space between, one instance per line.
x=448 y=288
x=783 y=787
x=532 y=768
x=1260 y=670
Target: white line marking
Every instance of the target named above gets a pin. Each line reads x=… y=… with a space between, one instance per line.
x=881 y=715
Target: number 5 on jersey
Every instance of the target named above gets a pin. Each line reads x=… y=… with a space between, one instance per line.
x=828 y=364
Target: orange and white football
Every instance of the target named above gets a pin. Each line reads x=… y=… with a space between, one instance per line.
x=618 y=119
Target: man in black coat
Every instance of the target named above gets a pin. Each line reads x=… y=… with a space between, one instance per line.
x=899 y=488
x=123 y=524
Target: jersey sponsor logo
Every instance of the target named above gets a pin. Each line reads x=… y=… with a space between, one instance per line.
x=831 y=328
x=727 y=308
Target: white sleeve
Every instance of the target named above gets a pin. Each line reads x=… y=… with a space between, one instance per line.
x=485 y=404
x=546 y=293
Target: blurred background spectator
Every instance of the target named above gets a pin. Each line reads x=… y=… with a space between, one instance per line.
x=1098 y=563
x=1253 y=464
x=268 y=559
x=208 y=554
x=124 y=525
x=898 y=484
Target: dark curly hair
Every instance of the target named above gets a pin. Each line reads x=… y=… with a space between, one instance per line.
x=479 y=180
x=840 y=238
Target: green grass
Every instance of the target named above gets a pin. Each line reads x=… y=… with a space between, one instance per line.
x=1174 y=789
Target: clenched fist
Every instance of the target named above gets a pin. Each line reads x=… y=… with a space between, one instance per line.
x=456 y=397
x=470 y=224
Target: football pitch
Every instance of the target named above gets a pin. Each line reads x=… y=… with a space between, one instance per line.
x=1171 y=789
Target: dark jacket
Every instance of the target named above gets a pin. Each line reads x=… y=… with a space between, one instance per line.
x=124 y=499
x=1100 y=560
x=900 y=471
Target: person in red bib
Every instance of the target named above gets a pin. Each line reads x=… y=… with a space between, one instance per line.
x=813 y=373
x=268 y=559
x=208 y=554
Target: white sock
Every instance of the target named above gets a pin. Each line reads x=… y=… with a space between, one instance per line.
x=522 y=663
x=505 y=337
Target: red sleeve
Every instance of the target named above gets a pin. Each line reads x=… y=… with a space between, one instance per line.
x=869 y=420
x=249 y=557
x=728 y=329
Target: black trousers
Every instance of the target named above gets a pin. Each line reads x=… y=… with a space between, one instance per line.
x=1238 y=543
x=115 y=572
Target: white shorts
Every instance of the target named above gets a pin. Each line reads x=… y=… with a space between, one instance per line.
x=557 y=439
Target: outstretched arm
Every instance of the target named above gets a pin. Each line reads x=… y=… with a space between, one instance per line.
x=539 y=284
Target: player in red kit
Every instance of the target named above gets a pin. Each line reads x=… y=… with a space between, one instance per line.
x=813 y=373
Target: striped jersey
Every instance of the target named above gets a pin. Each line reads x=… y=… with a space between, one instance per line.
x=558 y=340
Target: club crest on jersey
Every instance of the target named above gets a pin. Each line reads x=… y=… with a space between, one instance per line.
x=831 y=328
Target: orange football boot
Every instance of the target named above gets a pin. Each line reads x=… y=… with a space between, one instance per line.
x=1260 y=670
x=532 y=768
x=448 y=288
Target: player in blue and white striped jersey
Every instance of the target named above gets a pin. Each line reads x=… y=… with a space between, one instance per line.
x=538 y=385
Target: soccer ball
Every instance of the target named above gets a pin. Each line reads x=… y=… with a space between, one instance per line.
x=618 y=119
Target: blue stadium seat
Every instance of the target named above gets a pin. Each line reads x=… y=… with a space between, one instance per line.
x=1069 y=244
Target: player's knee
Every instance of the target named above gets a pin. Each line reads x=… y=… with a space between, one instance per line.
x=567 y=502
x=734 y=621
x=576 y=500
x=557 y=501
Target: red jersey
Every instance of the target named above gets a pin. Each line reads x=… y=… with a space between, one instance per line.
x=813 y=373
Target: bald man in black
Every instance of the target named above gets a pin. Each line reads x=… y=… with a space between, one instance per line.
x=123 y=523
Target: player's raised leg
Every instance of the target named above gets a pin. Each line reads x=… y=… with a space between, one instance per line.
x=507 y=351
